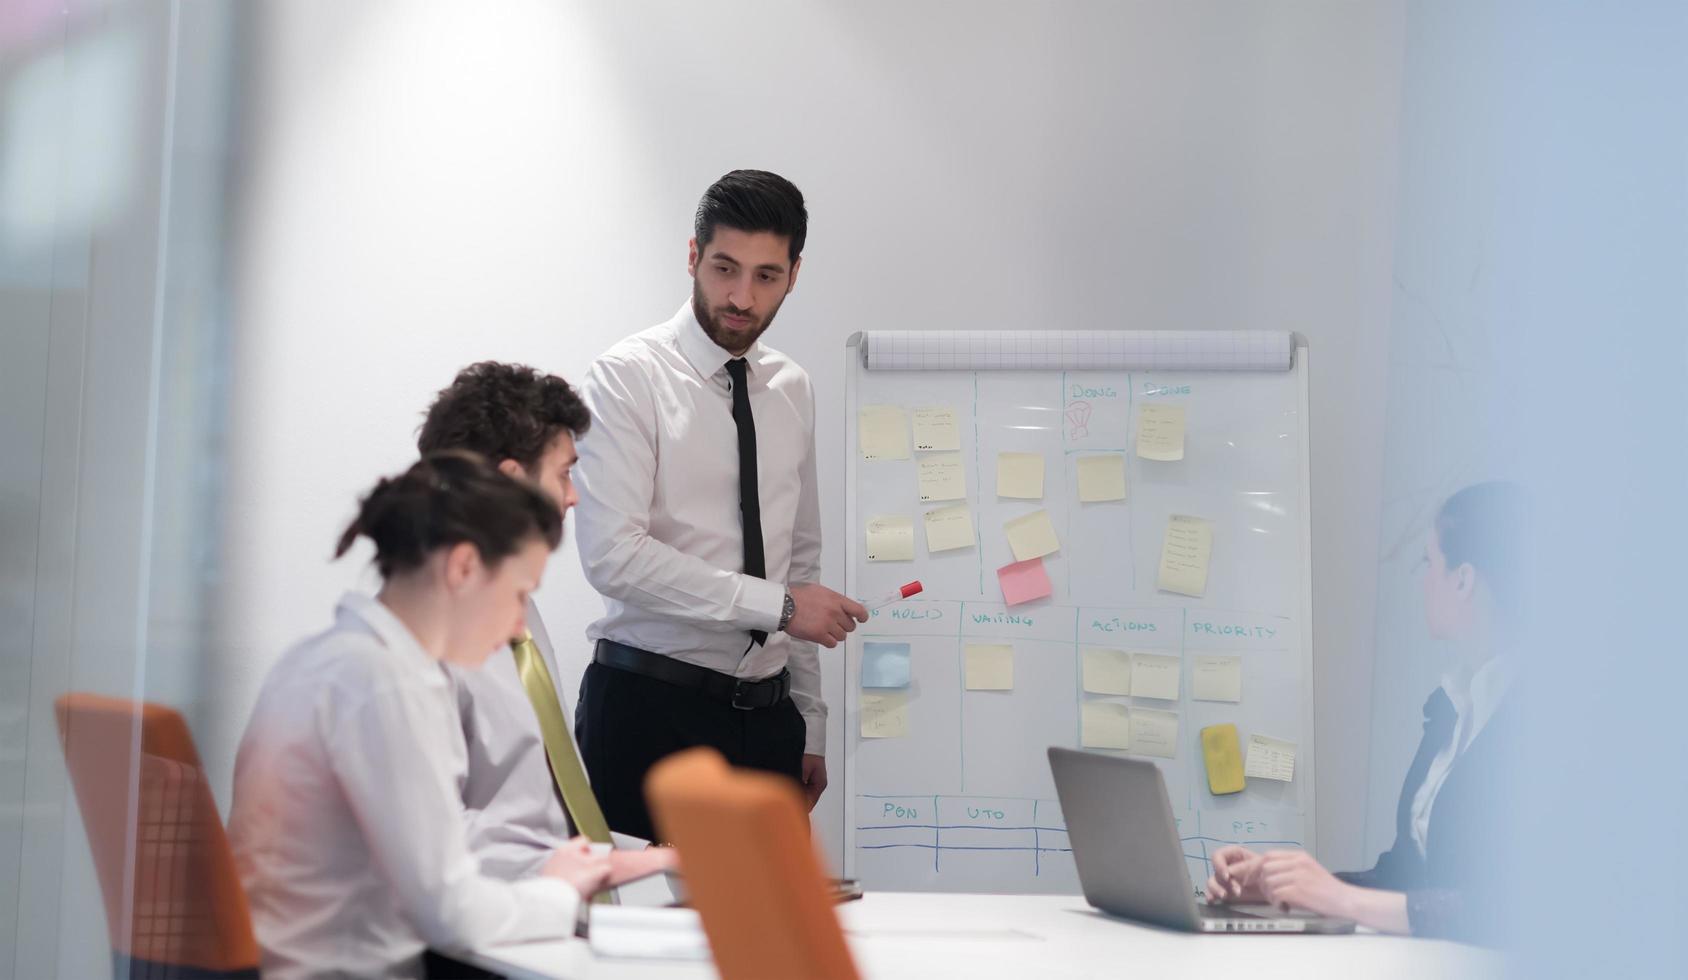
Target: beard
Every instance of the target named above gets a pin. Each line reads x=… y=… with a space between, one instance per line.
x=727 y=338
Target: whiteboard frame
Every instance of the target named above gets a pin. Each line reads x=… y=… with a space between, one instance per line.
x=855 y=361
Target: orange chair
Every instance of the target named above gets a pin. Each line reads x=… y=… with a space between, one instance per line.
x=151 y=820
x=750 y=869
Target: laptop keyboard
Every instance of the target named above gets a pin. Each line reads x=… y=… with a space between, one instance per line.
x=1207 y=911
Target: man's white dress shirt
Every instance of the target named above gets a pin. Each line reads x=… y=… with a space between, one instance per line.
x=347 y=826
x=1474 y=701
x=658 y=521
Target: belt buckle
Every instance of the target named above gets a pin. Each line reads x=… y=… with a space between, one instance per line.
x=739 y=690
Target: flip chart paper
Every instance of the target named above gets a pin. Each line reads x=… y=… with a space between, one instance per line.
x=885 y=664
x=949 y=528
x=1217 y=679
x=1270 y=758
x=935 y=429
x=990 y=667
x=1023 y=581
x=890 y=538
x=1101 y=478
x=884 y=713
x=1160 y=432
x=1104 y=725
x=1185 y=555
x=1019 y=475
x=1032 y=536
x=1106 y=671
x=882 y=431
x=1154 y=733
x=1154 y=676
x=941 y=477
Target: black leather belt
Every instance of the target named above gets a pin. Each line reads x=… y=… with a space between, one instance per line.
x=742 y=694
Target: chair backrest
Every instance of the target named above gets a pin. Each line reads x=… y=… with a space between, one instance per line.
x=167 y=874
x=750 y=868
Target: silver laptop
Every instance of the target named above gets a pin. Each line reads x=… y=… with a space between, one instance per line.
x=1130 y=860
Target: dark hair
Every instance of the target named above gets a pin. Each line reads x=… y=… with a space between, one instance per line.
x=753 y=200
x=502 y=411
x=1485 y=525
x=445 y=499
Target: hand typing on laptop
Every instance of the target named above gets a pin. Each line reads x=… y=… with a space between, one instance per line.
x=1283 y=878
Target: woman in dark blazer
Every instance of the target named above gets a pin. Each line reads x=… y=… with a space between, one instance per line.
x=1443 y=876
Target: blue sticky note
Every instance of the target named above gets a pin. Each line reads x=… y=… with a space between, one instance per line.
x=885 y=665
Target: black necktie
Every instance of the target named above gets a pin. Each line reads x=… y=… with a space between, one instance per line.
x=1439 y=719
x=750 y=504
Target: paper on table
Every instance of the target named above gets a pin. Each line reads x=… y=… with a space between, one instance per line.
x=885 y=664
x=882 y=431
x=1023 y=581
x=990 y=667
x=1154 y=733
x=1019 y=475
x=1185 y=555
x=1107 y=671
x=1032 y=535
x=885 y=713
x=890 y=538
x=1160 y=433
x=1154 y=676
x=1270 y=758
x=647 y=933
x=1104 y=725
x=1101 y=478
x=1217 y=679
x=941 y=477
x=948 y=528
x=934 y=429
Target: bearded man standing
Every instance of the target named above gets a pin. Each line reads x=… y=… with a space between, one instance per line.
x=699 y=522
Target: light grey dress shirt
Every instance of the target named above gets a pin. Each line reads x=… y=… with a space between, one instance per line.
x=513 y=817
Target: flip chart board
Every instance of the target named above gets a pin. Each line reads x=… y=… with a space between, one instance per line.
x=1079 y=588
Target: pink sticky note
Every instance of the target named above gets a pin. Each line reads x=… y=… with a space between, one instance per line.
x=1023 y=581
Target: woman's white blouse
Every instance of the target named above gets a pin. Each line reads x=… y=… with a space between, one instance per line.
x=347 y=826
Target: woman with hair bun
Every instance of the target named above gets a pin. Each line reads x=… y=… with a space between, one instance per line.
x=347 y=826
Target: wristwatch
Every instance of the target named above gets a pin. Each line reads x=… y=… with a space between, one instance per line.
x=786 y=613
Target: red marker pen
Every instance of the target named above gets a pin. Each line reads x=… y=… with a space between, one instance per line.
x=895 y=595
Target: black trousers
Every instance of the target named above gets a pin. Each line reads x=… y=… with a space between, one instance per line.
x=626 y=722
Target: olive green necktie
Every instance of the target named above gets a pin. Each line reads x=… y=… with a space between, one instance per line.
x=577 y=793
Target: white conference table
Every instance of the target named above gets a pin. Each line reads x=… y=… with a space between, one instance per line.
x=921 y=936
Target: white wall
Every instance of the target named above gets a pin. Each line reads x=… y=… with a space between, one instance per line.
x=427 y=185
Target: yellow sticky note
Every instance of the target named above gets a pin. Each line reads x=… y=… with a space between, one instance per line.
x=1101 y=478
x=1184 y=556
x=885 y=713
x=1104 y=725
x=1032 y=536
x=882 y=431
x=1154 y=733
x=1154 y=676
x=890 y=538
x=1160 y=432
x=948 y=528
x=990 y=667
x=941 y=477
x=1019 y=475
x=1270 y=758
x=935 y=429
x=1107 y=671
x=1224 y=757
x=1217 y=679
